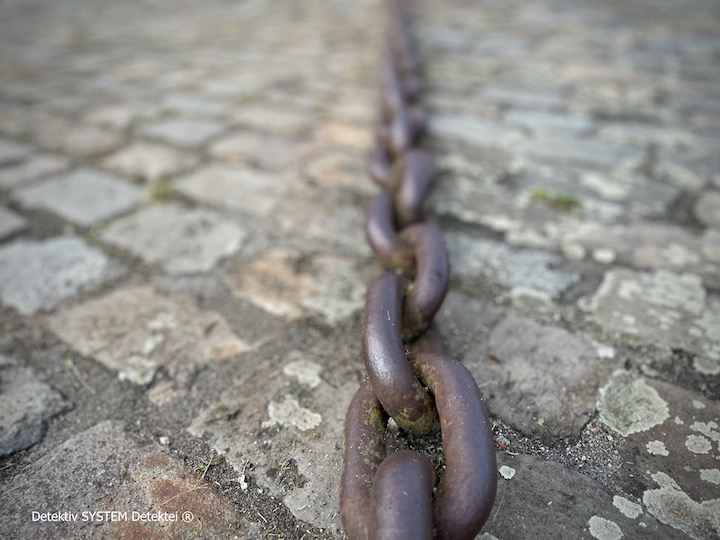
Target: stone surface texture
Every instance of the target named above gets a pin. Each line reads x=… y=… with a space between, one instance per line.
x=183 y=260
x=84 y=196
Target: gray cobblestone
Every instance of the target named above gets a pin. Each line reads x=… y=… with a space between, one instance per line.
x=35 y=275
x=231 y=186
x=181 y=240
x=158 y=332
x=182 y=132
x=474 y=259
x=85 y=196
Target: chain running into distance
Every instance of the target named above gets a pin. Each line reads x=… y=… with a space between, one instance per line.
x=410 y=377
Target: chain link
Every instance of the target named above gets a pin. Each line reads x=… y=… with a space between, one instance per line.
x=395 y=496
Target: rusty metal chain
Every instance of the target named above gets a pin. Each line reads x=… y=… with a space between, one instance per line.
x=410 y=377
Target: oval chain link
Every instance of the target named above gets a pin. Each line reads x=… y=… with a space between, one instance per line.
x=410 y=378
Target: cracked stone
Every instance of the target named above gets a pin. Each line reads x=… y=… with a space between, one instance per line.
x=35 y=275
x=84 y=197
x=136 y=331
x=26 y=406
x=192 y=240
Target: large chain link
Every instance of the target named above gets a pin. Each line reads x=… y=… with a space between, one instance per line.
x=393 y=497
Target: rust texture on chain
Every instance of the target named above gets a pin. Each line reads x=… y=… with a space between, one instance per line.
x=410 y=377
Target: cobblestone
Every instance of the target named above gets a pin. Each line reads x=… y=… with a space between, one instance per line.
x=149 y=162
x=326 y=285
x=255 y=149
x=84 y=197
x=182 y=132
x=477 y=258
x=35 y=275
x=552 y=376
x=191 y=240
x=640 y=304
x=235 y=187
x=155 y=331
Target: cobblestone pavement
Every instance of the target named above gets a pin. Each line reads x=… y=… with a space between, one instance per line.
x=183 y=263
